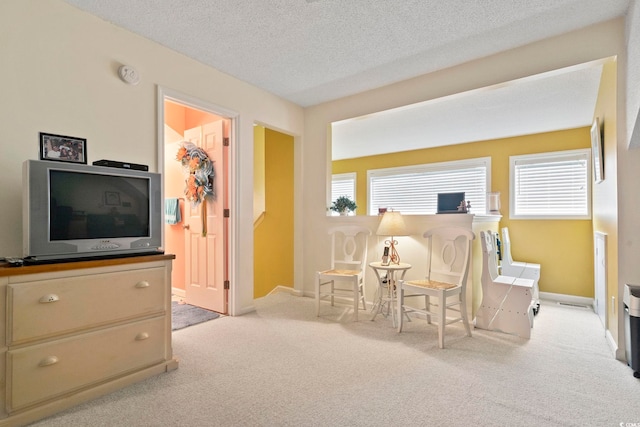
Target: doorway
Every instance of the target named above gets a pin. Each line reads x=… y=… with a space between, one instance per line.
x=273 y=232
x=199 y=237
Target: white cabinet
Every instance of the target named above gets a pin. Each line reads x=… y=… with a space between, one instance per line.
x=77 y=330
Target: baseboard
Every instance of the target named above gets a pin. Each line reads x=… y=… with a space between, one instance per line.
x=567 y=299
x=613 y=346
x=178 y=292
x=244 y=310
x=286 y=289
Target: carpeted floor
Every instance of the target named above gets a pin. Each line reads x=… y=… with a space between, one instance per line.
x=283 y=366
x=183 y=315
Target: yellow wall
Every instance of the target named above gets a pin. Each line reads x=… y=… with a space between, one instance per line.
x=605 y=194
x=273 y=236
x=564 y=248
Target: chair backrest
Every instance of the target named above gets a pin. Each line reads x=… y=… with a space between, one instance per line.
x=449 y=254
x=506 y=247
x=349 y=245
x=489 y=258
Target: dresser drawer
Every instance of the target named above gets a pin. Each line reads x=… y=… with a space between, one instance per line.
x=40 y=372
x=52 y=307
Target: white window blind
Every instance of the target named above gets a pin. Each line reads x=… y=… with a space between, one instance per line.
x=551 y=185
x=343 y=184
x=414 y=189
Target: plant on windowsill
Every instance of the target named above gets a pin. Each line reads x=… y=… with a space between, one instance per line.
x=343 y=205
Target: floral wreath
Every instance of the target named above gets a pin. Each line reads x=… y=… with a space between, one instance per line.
x=201 y=173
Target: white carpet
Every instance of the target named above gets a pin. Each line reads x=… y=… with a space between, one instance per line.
x=283 y=366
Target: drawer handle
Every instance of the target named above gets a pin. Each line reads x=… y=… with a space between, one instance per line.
x=142 y=336
x=142 y=284
x=49 y=298
x=51 y=360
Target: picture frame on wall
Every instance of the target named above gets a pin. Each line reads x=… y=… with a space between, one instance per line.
x=61 y=148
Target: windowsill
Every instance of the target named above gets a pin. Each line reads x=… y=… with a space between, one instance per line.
x=487 y=218
x=476 y=218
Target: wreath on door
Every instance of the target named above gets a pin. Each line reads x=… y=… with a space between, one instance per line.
x=200 y=176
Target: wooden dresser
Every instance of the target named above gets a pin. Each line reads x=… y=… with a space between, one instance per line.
x=76 y=330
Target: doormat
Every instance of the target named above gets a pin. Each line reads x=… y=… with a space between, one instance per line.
x=183 y=315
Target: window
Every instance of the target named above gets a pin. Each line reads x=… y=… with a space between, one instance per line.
x=551 y=185
x=343 y=184
x=414 y=189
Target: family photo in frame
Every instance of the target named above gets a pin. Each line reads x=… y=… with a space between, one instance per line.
x=62 y=148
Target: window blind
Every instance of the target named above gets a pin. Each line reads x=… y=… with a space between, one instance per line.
x=414 y=190
x=551 y=185
x=343 y=184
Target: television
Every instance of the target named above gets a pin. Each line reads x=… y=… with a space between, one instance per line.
x=596 y=151
x=81 y=211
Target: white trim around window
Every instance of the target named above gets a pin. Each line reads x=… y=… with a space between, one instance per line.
x=414 y=189
x=554 y=185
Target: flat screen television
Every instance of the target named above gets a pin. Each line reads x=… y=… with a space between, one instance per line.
x=80 y=211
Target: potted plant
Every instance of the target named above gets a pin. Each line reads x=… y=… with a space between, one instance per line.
x=343 y=205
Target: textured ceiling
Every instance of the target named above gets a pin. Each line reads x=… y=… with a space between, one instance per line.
x=313 y=51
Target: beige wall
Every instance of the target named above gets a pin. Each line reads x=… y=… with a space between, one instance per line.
x=59 y=75
x=628 y=167
x=632 y=102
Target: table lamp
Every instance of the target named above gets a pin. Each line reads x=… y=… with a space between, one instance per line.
x=392 y=225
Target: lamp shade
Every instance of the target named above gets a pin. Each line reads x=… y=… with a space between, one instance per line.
x=392 y=224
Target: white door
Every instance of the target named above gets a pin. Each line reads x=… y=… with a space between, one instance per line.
x=600 y=276
x=205 y=254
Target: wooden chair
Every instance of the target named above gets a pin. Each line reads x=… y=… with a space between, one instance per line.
x=448 y=263
x=526 y=270
x=348 y=257
x=506 y=301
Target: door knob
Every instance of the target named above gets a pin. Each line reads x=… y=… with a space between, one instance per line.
x=186 y=226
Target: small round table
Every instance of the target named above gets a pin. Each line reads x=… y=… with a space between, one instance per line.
x=390 y=286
